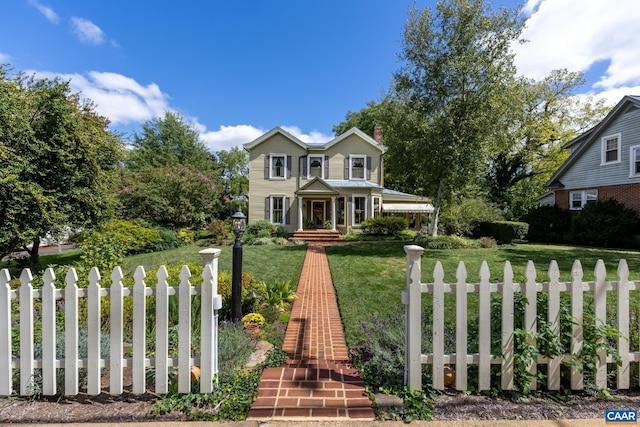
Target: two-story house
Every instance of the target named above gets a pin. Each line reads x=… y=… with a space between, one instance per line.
x=332 y=185
x=604 y=162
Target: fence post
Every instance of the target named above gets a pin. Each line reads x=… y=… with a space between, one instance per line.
x=412 y=298
x=5 y=333
x=211 y=303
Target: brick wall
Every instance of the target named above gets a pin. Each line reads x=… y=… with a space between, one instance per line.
x=628 y=195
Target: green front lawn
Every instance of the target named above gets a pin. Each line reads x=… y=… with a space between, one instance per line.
x=370 y=277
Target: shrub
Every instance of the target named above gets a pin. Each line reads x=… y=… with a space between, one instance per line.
x=101 y=250
x=604 y=223
x=263 y=241
x=219 y=229
x=261 y=228
x=83 y=352
x=281 y=232
x=384 y=225
x=461 y=217
x=444 y=242
x=503 y=231
x=170 y=240
x=548 y=224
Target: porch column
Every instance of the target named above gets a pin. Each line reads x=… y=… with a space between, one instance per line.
x=333 y=213
x=299 y=214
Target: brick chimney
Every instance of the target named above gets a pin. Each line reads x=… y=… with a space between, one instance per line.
x=377 y=133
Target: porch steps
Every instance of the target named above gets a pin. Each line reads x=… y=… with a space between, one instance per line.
x=317 y=235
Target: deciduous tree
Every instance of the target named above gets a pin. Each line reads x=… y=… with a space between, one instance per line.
x=442 y=101
x=57 y=161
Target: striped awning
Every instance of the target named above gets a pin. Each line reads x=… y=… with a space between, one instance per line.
x=407 y=207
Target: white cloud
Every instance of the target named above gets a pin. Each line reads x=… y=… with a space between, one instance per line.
x=578 y=34
x=120 y=98
x=227 y=137
x=4 y=58
x=47 y=12
x=87 y=31
x=313 y=136
x=126 y=102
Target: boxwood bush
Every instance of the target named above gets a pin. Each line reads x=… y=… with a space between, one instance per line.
x=503 y=231
x=384 y=225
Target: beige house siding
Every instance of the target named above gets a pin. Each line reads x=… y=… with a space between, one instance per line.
x=260 y=188
x=315 y=200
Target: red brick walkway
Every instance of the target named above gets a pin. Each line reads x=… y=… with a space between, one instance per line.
x=316 y=381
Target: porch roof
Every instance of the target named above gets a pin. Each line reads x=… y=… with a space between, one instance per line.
x=407 y=207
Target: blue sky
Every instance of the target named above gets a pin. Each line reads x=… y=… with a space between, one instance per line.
x=237 y=69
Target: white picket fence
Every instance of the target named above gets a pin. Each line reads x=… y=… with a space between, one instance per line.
x=140 y=361
x=412 y=298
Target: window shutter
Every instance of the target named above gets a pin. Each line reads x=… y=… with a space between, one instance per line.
x=266 y=167
x=368 y=168
x=287 y=216
x=346 y=167
x=326 y=167
x=288 y=167
x=267 y=208
x=304 y=167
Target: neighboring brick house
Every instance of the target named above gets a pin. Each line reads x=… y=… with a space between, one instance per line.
x=604 y=162
x=316 y=185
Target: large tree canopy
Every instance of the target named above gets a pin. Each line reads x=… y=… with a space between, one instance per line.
x=171 y=178
x=168 y=141
x=443 y=100
x=57 y=161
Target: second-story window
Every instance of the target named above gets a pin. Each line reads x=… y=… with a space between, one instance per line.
x=278 y=166
x=357 y=167
x=315 y=166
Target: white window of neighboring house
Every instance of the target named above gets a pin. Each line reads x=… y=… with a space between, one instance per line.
x=635 y=161
x=359 y=213
x=277 y=209
x=611 y=149
x=278 y=166
x=578 y=199
x=357 y=165
x=316 y=166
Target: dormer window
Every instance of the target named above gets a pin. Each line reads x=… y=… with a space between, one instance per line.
x=358 y=164
x=611 y=149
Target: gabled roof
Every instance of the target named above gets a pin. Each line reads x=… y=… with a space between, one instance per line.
x=277 y=130
x=355 y=131
x=314 y=145
x=592 y=135
x=317 y=185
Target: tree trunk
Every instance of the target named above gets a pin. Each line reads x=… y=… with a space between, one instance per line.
x=436 y=210
x=34 y=253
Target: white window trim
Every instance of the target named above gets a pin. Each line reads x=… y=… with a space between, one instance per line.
x=364 y=169
x=309 y=166
x=373 y=205
x=353 y=209
x=603 y=147
x=271 y=176
x=271 y=204
x=632 y=161
x=344 y=209
x=584 y=198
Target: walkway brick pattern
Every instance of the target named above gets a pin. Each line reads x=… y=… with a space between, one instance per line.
x=316 y=381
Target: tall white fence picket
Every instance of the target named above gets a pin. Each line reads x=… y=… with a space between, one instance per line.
x=600 y=288
x=70 y=295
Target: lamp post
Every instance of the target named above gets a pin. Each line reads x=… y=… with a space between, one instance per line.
x=238 y=223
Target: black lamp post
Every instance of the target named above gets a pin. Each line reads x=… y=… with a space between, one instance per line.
x=238 y=223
